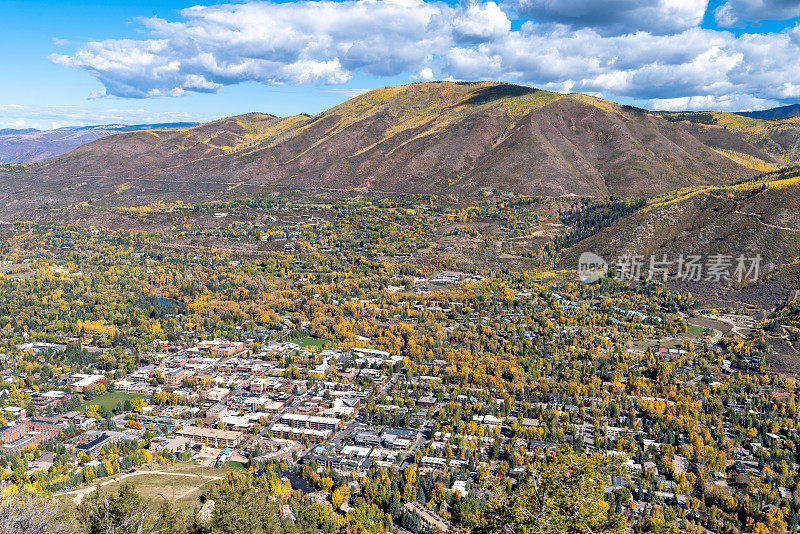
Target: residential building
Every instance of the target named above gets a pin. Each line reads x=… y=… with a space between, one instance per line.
x=211 y=436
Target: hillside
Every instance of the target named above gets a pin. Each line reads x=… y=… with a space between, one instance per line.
x=421 y=138
x=28 y=145
x=777 y=136
x=759 y=217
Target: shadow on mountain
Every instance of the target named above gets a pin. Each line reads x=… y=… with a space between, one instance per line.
x=488 y=94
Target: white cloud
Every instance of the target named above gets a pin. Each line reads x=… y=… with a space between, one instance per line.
x=631 y=49
x=615 y=17
x=640 y=65
x=292 y=43
x=733 y=12
x=424 y=75
x=701 y=102
x=475 y=64
x=475 y=23
x=725 y=16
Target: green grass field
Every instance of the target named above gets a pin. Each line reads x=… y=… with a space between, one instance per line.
x=693 y=330
x=109 y=400
x=234 y=466
x=307 y=342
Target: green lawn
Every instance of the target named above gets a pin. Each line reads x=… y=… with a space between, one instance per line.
x=307 y=342
x=235 y=466
x=109 y=400
x=693 y=330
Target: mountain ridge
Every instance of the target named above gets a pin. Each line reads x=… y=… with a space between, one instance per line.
x=438 y=137
x=760 y=216
x=29 y=145
x=781 y=112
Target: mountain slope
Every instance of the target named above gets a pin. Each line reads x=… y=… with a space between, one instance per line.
x=760 y=217
x=779 y=137
x=29 y=145
x=422 y=138
x=146 y=152
x=462 y=137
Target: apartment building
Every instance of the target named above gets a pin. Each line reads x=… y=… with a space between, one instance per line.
x=211 y=436
x=312 y=422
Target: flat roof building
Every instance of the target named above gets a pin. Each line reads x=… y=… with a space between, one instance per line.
x=281 y=430
x=28 y=441
x=314 y=422
x=211 y=436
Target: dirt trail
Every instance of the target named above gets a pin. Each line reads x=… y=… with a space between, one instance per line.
x=80 y=493
x=757 y=217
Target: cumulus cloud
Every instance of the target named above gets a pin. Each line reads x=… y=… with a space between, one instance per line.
x=695 y=62
x=424 y=75
x=292 y=43
x=614 y=17
x=733 y=12
x=733 y=102
x=634 y=49
x=475 y=23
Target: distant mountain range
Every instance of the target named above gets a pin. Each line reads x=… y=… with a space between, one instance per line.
x=443 y=137
x=27 y=145
x=783 y=112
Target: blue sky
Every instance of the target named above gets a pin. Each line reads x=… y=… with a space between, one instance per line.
x=82 y=62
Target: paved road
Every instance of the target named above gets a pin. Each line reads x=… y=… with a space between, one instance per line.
x=717 y=333
x=80 y=493
x=716 y=337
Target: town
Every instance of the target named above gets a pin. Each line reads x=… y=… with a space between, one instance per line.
x=390 y=392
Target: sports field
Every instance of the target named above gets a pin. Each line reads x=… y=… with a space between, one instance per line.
x=307 y=342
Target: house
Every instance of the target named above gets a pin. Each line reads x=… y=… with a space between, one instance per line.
x=446 y=278
x=460 y=486
x=48 y=400
x=487 y=420
x=433 y=462
x=369 y=439
x=19 y=435
x=427 y=401
x=216 y=394
x=27 y=441
x=284 y=431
